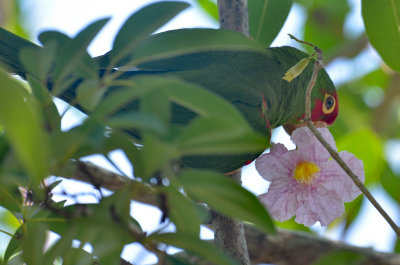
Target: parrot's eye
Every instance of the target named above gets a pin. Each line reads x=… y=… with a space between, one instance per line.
x=329 y=104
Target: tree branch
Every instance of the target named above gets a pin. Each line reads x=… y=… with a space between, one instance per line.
x=294 y=247
x=233 y=15
x=285 y=247
x=299 y=248
x=229 y=234
x=100 y=177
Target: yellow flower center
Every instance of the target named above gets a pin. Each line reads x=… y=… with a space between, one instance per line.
x=305 y=172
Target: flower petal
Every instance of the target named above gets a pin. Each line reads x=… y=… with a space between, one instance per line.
x=280 y=200
x=271 y=166
x=334 y=178
x=318 y=205
x=309 y=146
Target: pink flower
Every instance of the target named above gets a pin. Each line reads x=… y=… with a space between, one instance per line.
x=306 y=182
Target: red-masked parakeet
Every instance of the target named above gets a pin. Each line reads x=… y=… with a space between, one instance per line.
x=251 y=81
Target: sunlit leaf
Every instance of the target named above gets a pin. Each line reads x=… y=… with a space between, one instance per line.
x=22 y=126
x=210 y=7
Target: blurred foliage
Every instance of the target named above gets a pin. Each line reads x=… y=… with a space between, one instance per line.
x=369 y=118
x=12 y=17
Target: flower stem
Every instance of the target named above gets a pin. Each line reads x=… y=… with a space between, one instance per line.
x=335 y=155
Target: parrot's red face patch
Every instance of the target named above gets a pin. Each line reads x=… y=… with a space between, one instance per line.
x=326 y=110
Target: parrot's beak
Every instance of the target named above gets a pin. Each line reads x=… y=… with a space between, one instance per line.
x=290 y=127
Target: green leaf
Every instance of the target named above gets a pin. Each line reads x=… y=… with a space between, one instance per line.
x=137 y=120
x=391 y=183
x=342 y=258
x=52 y=118
x=209 y=7
x=22 y=126
x=33 y=243
x=382 y=24
x=142 y=23
x=266 y=18
x=193 y=97
x=182 y=212
x=74 y=52
x=194 y=245
x=121 y=97
x=226 y=196
x=154 y=155
x=351 y=211
x=10 y=46
x=38 y=61
x=89 y=93
x=213 y=136
x=186 y=41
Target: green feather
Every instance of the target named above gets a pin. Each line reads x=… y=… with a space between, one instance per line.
x=247 y=79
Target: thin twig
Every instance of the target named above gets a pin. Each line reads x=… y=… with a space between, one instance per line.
x=354 y=178
x=335 y=155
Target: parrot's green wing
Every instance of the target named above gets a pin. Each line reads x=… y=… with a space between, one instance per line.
x=247 y=79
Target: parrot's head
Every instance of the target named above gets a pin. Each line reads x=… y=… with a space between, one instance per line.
x=324 y=104
x=325 y=110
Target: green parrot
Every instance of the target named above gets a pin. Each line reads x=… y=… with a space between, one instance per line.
x=251 y=81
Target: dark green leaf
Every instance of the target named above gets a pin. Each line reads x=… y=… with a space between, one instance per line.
x=194 y=245
x=51 y=117
x=352 y=209
x=193 y=97
x=182 y=212
x=154 y=155
x=33 y=243
x=74 y=52
x=136 y=120
x=89 y=93
x=38 y=61
x=382 y=24
x=187 y=41
x=212 y=136
x=266 y=18
x=142 y=23
x=226 y=196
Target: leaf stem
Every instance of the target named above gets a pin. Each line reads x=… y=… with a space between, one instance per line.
x=335 y=155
